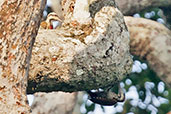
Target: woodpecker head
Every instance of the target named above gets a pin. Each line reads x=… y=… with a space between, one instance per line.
x=51 y=18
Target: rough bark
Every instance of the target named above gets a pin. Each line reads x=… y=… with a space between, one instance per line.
x=54 y=103
x=129 y=7
x=19 y=22
x=89 y=51
x=151 y=41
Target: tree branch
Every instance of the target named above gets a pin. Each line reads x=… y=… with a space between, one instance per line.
x=85 y=53
x=151 y=41
x=129 y=7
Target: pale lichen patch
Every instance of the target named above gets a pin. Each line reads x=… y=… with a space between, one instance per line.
x=36 y=49
x=54 y=49
x=79 y=72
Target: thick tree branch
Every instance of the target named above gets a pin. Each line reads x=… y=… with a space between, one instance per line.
x=151 y=41
x=19 y=23
x=85 y=53
x=129 y=7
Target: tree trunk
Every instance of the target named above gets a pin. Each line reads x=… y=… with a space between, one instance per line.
x=19 y=23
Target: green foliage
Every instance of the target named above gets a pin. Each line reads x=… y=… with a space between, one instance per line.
x=154 y=13
x=139 y=79
x=89 y=107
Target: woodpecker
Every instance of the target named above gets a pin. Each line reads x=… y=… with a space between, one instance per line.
x=48 y=23
x=106 y=98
